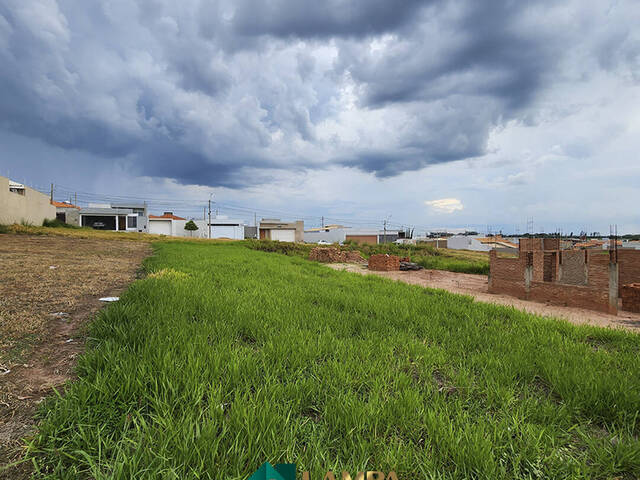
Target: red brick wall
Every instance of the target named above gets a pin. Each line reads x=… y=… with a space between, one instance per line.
x=538 y=265
x=628 y=266
x=368 y=239
x=598 y=269
x=551 y=243
x=573 y=268
x=570 y=296
x=507 y=274
x=533 y=244
x=384 y=263
x=529 y=244
x=630 y=295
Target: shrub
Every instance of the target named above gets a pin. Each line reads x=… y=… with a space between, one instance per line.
x=56 y=223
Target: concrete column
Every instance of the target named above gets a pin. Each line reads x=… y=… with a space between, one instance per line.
x=528 y=277
x=613 y=288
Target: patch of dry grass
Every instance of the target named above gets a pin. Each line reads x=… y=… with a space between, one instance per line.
x=41 y=275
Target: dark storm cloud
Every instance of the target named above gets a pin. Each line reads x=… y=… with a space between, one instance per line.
x=308 y=18
x=204 y=92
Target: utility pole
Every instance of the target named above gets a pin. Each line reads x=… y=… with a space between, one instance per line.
x=323 y=221
x=385 y=231
x=51 y=193
x=75 y=201
x=209 y=229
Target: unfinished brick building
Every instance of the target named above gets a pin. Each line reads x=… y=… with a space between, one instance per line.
x=542 y=272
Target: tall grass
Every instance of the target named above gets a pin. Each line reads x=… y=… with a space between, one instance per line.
x=227 y=357
x=441 y=262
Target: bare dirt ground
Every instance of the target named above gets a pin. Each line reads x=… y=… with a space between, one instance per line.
x=476 y=286
x=41 y=276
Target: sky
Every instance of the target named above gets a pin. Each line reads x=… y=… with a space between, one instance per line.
x=490 y=115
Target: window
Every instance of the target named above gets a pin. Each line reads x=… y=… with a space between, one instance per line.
x=132 y=222
x=18 y=190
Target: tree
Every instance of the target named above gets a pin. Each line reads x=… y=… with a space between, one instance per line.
x=191 y=226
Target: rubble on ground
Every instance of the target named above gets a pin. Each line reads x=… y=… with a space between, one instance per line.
x=404 y=266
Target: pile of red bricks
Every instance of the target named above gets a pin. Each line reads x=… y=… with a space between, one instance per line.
x=334 y=255
x=630 y=295
x=353 y=257
x=384 y=263
x=326 y=255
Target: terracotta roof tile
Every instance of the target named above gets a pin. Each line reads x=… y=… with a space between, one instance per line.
x=167 y=216
x=64 y=205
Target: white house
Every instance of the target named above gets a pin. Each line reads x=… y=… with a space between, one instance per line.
x=222 y=226
x=173 y=226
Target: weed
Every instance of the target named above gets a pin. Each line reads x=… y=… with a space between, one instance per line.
x=57 y=223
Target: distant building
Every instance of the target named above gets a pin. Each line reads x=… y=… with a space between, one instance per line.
x=276 y=229
x=173 y=226
x=224 y=227
x=22 y=204
x=250 y=231
x=373 y=237
x=479 y=243
x=330 y=233
x=120 y=217
x=63 y=208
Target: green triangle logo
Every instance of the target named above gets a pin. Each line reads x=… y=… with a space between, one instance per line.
x=282 y=471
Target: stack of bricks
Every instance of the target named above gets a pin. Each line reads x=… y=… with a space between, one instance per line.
x=334 y=255
x=353 y=257
x=326 y=255
x=630 y=295
x=384 y=263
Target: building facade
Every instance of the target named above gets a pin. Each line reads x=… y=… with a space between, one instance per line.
x=276 y=229
x=22 y=204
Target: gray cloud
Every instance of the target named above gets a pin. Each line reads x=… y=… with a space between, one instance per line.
x=309 y=19
x=204 y=92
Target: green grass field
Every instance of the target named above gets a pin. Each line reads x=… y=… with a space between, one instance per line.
x=226 y=357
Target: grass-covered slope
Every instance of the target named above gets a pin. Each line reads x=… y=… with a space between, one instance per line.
x=228 y=357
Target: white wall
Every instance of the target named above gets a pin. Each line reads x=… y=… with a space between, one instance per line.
x=33 y=207
x=160 y=227
x=283 y=235
x=234 y=232
x=332 y=236
x=467 y=242
x=179 y=231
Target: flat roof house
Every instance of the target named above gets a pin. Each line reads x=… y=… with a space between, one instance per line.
x=276 y=229
x=19 y=203
x=173 y=226
x=222 y=226
x=105 y=216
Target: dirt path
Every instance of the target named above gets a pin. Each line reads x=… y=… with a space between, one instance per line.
x=476 y=286
x=42 y=276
